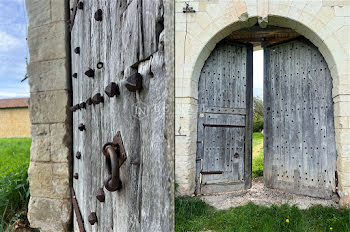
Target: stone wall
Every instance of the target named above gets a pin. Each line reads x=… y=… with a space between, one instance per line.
x=325 y=23
x=14 y=122
x=50 y=93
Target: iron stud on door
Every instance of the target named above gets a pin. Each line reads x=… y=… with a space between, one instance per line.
x=89 y=101
x=92 y=218
x=98 y=15
x=97 y=99
x=112 y=90
x=134 y=82
x=80 y=5
x=77 y=50
x=90 y=73
x=81 y=127
x=78 y=155
x=100 y=195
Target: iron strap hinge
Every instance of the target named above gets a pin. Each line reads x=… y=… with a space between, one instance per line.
x=73 y=13
x=80 y=220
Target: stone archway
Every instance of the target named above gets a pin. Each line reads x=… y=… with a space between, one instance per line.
x=322 y=24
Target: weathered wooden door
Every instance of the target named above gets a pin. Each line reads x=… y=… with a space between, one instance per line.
x=299 y=144
x=122 y=62
x=224 y=130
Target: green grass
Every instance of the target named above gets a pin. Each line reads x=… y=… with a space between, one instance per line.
x=14 y=186
x=192 y=214
x=258 y=155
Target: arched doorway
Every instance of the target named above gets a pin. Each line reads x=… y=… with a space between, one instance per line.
x=300 y=154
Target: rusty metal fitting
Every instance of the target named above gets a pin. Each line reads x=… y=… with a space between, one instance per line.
x=99 y=65
x=115 y=157
x=76 y=176
x=75 y=75
x=72 y=108
x=97 y=99
x=81 y=127
x=82 y=105
x=100 y=195
x=78 y=155
x=134 y=82
x=77 y=50
x=92 y=218
x=98 y=15
x=112 y=90
x=90 y=73
x=89 y=101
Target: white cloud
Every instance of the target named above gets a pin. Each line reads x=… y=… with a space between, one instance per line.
x=12 y=95
x=8 y=42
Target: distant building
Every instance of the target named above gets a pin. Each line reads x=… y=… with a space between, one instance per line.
x=14 y=118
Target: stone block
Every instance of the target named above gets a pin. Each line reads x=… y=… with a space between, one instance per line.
x=343 y=191
x=50 y=215
x=60 y=142
x=49 y=107
x=343 y=165
x=342 y=109
x=40 y=148
x=342 y=11
x=344 y=179
x=341 y=122
x=39 y=12
x=344 y=202
x=48 y=42
x=59 y=10
x=49 y=75
x=49 y=180
x=343 y=150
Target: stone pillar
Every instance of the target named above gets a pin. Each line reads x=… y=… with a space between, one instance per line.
x=50 y=95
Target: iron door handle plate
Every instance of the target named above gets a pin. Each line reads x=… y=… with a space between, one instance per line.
x=115 y=157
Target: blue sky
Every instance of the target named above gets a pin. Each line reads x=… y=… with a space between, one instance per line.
x=13 y=49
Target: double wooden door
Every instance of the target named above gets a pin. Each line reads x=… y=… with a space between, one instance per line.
x=299 y=145
x=122 y=94
x=225 y=120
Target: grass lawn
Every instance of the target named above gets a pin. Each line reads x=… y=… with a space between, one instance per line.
x=192 y=214
x=14 y=187
x=258 y=154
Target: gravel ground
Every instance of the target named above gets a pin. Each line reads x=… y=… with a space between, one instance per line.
x=261 y=195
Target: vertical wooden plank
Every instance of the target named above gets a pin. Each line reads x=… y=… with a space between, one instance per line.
x=268 y=118
x=249 y=118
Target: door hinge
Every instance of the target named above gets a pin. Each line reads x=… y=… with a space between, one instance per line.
x=80 y=220
x=212 y=173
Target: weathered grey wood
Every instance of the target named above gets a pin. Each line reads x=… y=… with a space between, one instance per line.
x=145 y=202
x=223 y=131
x=299 y=148
x=249 y=119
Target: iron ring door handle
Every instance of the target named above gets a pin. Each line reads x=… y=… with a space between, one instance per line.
x=112 y=182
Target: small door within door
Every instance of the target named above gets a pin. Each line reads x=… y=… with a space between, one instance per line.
x=299 y=144
x=224 y=131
